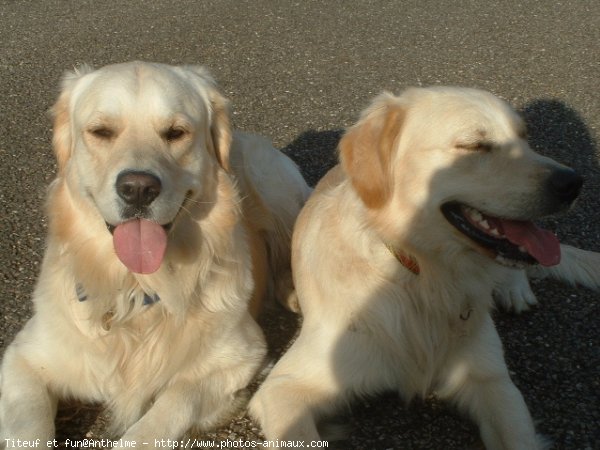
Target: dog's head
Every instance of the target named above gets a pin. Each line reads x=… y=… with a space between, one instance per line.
x=140 y=142
x=441 y=167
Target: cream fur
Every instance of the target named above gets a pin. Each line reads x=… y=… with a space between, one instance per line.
x=370 y=324
x=184 y=361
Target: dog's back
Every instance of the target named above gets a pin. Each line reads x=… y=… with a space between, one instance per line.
x=273 y=192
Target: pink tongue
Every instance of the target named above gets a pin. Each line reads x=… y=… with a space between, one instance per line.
x=543 y=245
x=140 y=245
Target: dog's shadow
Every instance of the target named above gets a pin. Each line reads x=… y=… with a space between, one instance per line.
x=77 y=421
x=556 y=130
x=315 y=152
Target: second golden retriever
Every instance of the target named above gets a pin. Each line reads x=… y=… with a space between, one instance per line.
x=396 y=255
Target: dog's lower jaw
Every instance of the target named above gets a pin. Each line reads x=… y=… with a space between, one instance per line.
x=511 y=243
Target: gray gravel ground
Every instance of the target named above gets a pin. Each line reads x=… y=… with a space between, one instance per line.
x=300 y=72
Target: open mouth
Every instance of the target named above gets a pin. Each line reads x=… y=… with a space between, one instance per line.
x=513 y=243
x=140 y=243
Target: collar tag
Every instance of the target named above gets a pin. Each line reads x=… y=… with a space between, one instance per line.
x=80 y=291
x=82 y=296
x=150 y=299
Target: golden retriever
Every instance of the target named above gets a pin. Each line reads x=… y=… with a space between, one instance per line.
x=395 y=257
x=164 y=226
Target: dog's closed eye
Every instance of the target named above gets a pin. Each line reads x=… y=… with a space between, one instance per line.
x=479 y=146
x=173 y=134
x=102 y=132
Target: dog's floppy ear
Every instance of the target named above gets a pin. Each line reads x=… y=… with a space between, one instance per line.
x=220 y=127
x=366 y=150
x=62 y=139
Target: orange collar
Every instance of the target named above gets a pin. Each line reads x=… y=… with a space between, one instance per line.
x=408 y=262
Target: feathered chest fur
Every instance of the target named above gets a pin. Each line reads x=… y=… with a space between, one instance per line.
x=420 y=323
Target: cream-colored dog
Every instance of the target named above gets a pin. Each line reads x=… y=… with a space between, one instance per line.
x=161 y=232
x=396 y=254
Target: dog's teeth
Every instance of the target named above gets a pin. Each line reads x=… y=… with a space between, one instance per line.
x=494 y=232
x=522 y=249
x=475 y=215
x=484 y=224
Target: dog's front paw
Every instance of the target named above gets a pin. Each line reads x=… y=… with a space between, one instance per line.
x=513 y=292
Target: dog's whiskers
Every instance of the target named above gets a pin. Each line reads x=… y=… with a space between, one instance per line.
x=198 y=202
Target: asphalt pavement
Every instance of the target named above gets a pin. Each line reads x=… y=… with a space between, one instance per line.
x=299 y=72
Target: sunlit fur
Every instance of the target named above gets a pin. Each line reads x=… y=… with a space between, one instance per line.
x=184 y=361
x=370 y=323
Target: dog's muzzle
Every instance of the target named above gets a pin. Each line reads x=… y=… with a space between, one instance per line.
x=140 y=243
x=513 y=241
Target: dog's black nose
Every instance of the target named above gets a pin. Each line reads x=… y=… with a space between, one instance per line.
x=565 y=184
x=138 y=188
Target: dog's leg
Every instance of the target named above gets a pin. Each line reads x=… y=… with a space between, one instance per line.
x=501 y=413
x=284 y=409
x=300 y=387
x=513 y=292
x=27 y=408
x=179 y=408
x=201 y=398
x=479 y=383
x=577 y=266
